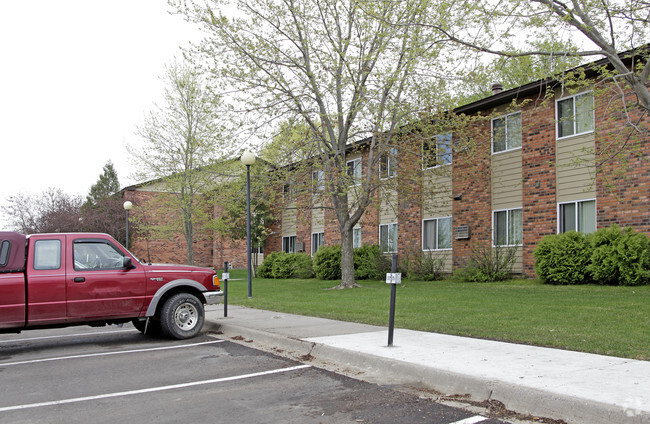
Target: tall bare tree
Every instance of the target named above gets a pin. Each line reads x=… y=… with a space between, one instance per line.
x=349 y=70
x=180 y=144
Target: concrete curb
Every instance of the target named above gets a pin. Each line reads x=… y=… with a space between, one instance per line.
x=386 y=371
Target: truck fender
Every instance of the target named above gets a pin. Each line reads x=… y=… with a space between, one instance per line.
x=151 y=310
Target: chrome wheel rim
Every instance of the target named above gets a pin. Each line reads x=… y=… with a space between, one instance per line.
x=186 y=316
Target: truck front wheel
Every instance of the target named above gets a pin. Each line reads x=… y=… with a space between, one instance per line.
x=182 y=316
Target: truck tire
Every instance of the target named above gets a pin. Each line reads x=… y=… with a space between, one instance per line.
x=182 y=316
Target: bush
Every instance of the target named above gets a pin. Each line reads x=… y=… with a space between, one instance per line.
x=428 y=266
x=620 y=257
x=563 y=258
x=370 y=263
x=489 y=263
x=283 y=265
x=266 y=269
x=327 y=263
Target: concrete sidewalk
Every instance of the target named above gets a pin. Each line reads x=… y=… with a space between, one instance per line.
x=572 y=386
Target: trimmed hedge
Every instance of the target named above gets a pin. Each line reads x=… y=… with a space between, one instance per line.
x=608 y=256
x=327 y=263
x=370 y=263
x=283 y=265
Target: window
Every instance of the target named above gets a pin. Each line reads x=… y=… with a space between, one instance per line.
x=318 y=180
x=436 y=234
x=354 y=170
x=356 y=237
x=289 y=244
x=47 y=254
x=507 y=228
x=388 y=238
x=5 y=247
x=94 y=255
x=577 y=216
x=575 y=115
x=437 y=151
x=506 y=132
x=287 y=192
x=388 y=164
x=317 y=240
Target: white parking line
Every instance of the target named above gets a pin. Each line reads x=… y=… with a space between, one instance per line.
x=88 y=355
x=67 y=335
x=471 y=420
x=152 y=389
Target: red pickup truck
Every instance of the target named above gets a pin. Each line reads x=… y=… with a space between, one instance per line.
x=59 y=280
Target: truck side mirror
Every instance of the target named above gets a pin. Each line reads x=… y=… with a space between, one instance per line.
x=127 y=263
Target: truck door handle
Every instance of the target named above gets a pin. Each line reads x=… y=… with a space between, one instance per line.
x=79 y=279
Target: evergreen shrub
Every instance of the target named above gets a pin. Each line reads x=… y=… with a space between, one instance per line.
x=327 y=263
x=620 y=257
x=563 y=258
x=370 y=263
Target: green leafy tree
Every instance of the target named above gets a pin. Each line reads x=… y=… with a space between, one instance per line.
x=180 y=149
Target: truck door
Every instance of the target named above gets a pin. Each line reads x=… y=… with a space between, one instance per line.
x=46 y=303
x=98 y=285
x=12 y=280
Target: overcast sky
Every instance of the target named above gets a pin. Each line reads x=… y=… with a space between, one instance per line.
x=77 y=77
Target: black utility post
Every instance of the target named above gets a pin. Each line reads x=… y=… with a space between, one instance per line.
x=225 y=276
x=394 y=278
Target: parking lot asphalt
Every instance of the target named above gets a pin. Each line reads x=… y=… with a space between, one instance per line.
x=572 y=386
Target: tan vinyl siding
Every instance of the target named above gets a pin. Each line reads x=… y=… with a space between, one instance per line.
x=289 y=218
x=437 y=201
x=387 y=214
x=507 y=190
x=576 y=168
x=318 y=220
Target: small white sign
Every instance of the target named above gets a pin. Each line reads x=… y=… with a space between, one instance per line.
x=394 y=278
x=225 y=276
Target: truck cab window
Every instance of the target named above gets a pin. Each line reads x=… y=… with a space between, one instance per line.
x=47 y=254
x=96 y=255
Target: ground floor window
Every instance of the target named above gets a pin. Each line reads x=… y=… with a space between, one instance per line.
x=436 y=233
x=317 y=240
x=577 y=216
x=356 y=237
x=507 y=227
x=388 y=238
x=289 y=244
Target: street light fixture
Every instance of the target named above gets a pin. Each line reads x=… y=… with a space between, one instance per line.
x=127 y=207
x=248 y=159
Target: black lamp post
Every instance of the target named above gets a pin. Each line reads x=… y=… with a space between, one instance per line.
x=127 y=207
x=248 y=159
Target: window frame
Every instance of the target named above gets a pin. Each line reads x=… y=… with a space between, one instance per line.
x=318 y=180
x=357 y=230
x=317 y=241
x=576 y=215
x=37 y=255
x=354 y=171
x=430 y=161
x=507 y=224
x=575 y=114
x=437 y=239
x=390 y=157
x=389 y=226
x=286 y=244
x=506 y=132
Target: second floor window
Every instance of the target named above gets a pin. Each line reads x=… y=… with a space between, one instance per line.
x=388 y=164
x=506 y=132
x=437 y=151
x=354 y=170
x=575 y=115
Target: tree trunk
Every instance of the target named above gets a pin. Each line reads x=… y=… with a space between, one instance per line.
x=347 y=259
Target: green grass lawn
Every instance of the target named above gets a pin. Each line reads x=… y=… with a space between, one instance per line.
x=607 y=320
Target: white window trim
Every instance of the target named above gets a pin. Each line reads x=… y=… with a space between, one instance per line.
x=360 y=237
x=391 y=156
x=437 y=226
x=492 y=133
x=357 y=163
x=507 y=226
x=312 y=241
x=437 y=165
x=575 y=202
x=388 y=225
x=557 y=118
